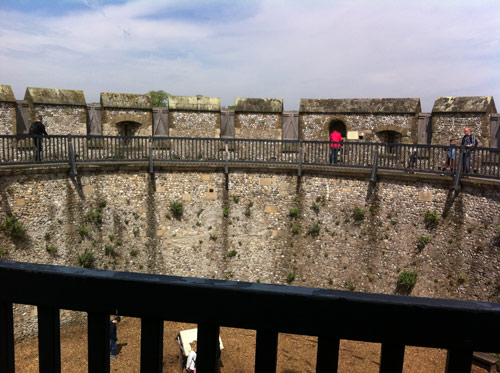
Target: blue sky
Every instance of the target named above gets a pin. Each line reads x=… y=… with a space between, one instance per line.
x=288 y=49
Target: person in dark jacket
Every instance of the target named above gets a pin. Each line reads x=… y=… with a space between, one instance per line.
x=469 y=142
x=37 y=130
x=113 y=337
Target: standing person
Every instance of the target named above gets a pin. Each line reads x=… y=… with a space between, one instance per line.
x=113 y=338
x=191 y=360
x=469 y=142
x=451 y=155
x=37 y=130
x=335 y=139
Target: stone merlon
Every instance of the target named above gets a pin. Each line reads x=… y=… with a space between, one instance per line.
x=54 y=96
x=6 y=94
x=259 y=105
x=198 y=103
x=477 y=104
x=361 y=105
x=126 y=101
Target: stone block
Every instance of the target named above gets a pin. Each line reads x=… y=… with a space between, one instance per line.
x=425 y=196
x=206 y=177
x=88 y=189
x=266 y=181
x=160 y=233
x=211 y=194
x=20 y=202
x=271 y=209
x=187 y=197
x=160 y=189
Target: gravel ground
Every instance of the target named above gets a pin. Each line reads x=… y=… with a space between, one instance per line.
x=296 y=353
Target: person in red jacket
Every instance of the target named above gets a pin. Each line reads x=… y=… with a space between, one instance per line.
x=335 y=139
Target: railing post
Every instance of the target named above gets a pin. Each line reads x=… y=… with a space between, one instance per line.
x=392 y=358
x=266 y=351
x=459 y=360
x=301 y=152
x=72 y=161
x=373 y=177
x=98 y=342
x=6 y=338
x=226 y=156
x=151 y=345
x=208 y=346
x=49 y=346
x=459 y=169
x=151 y=169
x=328 y=354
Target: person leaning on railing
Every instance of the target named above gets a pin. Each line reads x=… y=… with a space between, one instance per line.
x=335 y=139
x=451 y=155
x=469 y=143
x=37 y=130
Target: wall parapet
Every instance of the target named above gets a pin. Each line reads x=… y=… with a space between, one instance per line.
x=476 y=104
x=361 y=105
x=259 y=105
x=126 y=101
x=52 y=96
x=194 y=103
x=6 y=94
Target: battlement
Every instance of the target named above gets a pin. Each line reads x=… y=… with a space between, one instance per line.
x=392 y=120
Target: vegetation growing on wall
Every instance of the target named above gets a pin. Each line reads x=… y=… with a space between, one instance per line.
x=13 y=227
x=406 y=281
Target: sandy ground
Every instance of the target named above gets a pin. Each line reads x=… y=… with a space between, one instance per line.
x=295 y=353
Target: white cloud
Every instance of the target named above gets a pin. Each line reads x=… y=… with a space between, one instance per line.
x=289 y=49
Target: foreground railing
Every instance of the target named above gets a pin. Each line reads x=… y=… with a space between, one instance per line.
x=395 y=321
x=484 y=162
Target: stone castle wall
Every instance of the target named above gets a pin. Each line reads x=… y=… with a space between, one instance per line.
x=112 y=117
x=63 y=119
x=316 y=126
x=194 y=124
x=7 y=118
x=258 y=126
x=451 y=126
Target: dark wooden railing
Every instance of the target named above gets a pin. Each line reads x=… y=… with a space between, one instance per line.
x=484 y=162
x=394 y=321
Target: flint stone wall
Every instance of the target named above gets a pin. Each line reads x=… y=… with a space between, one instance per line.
x=315 y=127
x=194 y=124
x=258 y=126
x=7 y=118
x=255 y=242
x=451 y=126
x=63 y=119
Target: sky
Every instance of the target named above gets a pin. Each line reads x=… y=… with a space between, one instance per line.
x=289 y=49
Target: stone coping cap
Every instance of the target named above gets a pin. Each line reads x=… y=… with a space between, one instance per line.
x=6 y=94
x=55 y=96
x=126 y=100
x=259 y=105
x=197 y=103
x=361 y=105
x=475 y=104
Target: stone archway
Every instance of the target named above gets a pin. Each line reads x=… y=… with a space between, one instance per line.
x=389 y=137
x=339 y=125
x=127 y=128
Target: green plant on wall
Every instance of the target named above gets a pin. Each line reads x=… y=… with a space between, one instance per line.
x=431 y=219
x=294 y=212
x=314 y=229
x=422 y=242
x=290 y=277
x=358 y=215
x=13 y=227
x=177 y=209
x=225 y=212
x=295 y=227
x=86 y=259
x=406 y=281
x=84 y=232
x=315 y=206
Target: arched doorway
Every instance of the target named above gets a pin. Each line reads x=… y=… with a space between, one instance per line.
x=390 y=137
x=338 y=125
x=127 y=128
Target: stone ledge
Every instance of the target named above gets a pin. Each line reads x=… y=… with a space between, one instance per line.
x=6 y=94
x=54 y=96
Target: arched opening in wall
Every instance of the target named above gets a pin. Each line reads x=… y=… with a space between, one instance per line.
x=390 y=137
x=338 y=125
x=127 y=128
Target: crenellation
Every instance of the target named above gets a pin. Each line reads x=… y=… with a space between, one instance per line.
x=358 y=119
